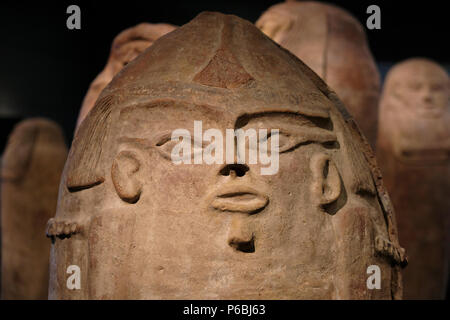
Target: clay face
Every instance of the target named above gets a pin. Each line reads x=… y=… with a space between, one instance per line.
x=332 y=43
x=247 y=213
x=30 y=175
x=428 y=92
x=143 y=227
x=416 y=110
x=413 y=149
x=126 y=47
x=422 y=87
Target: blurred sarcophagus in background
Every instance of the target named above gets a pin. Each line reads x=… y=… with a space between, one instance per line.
x=31 y=170
x=413 y=151
x=333 y=43
x=126 y=46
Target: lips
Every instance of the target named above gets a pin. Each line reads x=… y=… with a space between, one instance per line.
x=240 y=199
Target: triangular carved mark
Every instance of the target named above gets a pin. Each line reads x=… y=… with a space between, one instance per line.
x=223 y=71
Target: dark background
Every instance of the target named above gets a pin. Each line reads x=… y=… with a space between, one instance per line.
x=46 y=69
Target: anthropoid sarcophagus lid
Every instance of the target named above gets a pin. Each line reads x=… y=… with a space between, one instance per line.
x=413 y=150
x=333 y=43
x=31 y=170
x=126 y=46
x=140 y=219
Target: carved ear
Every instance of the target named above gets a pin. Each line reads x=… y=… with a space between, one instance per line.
x=326 y=187
x=124 y=173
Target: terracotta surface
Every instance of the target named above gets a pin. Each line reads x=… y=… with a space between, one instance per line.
x=413 y=151
x=141 y=227
x=333 y=43
x=126 y=46
x=31 y=170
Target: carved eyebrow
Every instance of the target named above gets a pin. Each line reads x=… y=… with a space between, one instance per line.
x=304 y=129
x=154 y=141
x=173 y=105
x=136 y=142
x=320 y=122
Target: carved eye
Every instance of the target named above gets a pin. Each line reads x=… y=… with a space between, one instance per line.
x=437 y=87
x=285 y=141
x=288 y=141
x=185 y=146
x=415 y=86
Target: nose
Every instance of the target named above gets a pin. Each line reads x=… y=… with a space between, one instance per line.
x=234 y=170
x=427 y=95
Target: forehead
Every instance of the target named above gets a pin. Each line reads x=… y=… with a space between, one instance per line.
x=167 y=113
x=420 y=73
